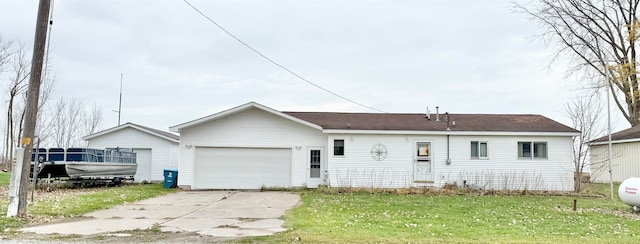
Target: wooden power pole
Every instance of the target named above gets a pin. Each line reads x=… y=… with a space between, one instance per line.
x=33 y=95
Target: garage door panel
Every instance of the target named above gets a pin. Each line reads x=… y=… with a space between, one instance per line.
x=242 y=168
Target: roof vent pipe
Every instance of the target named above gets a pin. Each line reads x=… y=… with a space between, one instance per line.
x=428 y=115
x=437 y=114
x=448 y=120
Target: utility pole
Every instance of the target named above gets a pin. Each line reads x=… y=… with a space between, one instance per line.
x=33 y=94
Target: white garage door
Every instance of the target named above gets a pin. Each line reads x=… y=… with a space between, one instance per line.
x=242 y=168
x=143 y=171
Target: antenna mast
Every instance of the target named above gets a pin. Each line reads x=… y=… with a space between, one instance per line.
x=120 y=102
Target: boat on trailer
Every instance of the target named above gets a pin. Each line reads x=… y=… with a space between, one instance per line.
x=85 y=164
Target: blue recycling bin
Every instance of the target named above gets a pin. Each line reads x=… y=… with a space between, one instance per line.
x=170 y=178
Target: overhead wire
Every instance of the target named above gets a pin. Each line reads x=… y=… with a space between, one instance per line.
x=46 y=59
x=276 y=63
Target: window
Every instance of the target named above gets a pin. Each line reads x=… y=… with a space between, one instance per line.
x=423 y=150
x=338 y=147
x=478 y=150
x=314 y=164
x=532 y=150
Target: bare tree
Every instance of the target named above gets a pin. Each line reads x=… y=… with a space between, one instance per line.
x=584 y=113
x=66 y=115
x=92 y=120
x=6 y=51
x=71 y=121
x=14 y=69
x=43 y=124
x=601 y=38
x=18 y=73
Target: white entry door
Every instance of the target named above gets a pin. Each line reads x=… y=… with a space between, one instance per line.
x=143 y=159
x=315 y=166
x=423 y=163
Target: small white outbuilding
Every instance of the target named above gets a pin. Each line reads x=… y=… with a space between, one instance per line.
x=625 y=146
x=155 y=149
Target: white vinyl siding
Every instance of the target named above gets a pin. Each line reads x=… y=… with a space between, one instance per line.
x=624 y=165
x=502 y=169
x=360 y=169
x=253 y=128
x=164 y=153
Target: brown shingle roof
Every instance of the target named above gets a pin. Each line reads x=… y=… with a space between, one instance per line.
x=419 y=122
x=631 y=133
x=161 y=132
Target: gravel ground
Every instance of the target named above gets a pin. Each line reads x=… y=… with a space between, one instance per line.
x=138 y=236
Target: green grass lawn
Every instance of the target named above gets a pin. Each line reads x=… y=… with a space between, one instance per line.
x=328 y=217
x=4 y=178
x=364 y=217
x=85 y=203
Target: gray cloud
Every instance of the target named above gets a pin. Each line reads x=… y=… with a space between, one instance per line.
x=464 y=56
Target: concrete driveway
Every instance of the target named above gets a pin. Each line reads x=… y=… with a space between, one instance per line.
x=215 y=213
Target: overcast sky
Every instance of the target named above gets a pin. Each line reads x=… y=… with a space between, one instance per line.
x=466 y=56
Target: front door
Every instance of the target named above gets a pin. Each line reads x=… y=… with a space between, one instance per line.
x=423 y=164
x=315 y=162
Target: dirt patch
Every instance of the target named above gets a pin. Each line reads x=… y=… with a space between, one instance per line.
x=137 y=236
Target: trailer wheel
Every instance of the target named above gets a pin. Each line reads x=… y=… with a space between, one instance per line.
x=117 y=181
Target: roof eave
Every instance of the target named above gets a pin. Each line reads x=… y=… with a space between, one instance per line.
x=128 y=125
x=104 y=132
x=244 y=107
x=613 y=142
x=450 y=132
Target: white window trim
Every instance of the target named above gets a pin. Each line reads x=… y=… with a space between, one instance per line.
x=479 y=157
x=532 y=144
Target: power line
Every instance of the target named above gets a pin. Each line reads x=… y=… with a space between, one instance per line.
x=276 y=63
x=46 y=58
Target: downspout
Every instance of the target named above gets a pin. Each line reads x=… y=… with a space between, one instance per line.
x=448 y=158
x=448 y=129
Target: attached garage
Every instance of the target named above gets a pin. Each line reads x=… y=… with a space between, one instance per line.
x=242 y=168
x=249 y=147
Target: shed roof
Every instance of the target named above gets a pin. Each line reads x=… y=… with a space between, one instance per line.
x=628 y=134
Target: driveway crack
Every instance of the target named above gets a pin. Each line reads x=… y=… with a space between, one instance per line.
x=229 y=194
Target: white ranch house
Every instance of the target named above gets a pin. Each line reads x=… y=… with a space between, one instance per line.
x=251 y=146
x=155 y=149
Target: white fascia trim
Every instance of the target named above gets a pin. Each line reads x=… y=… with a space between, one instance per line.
x=466 y=133
x=104 y=132
x=238 y=109
x=615 y=142
x=128 y=125
x=155 y=134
